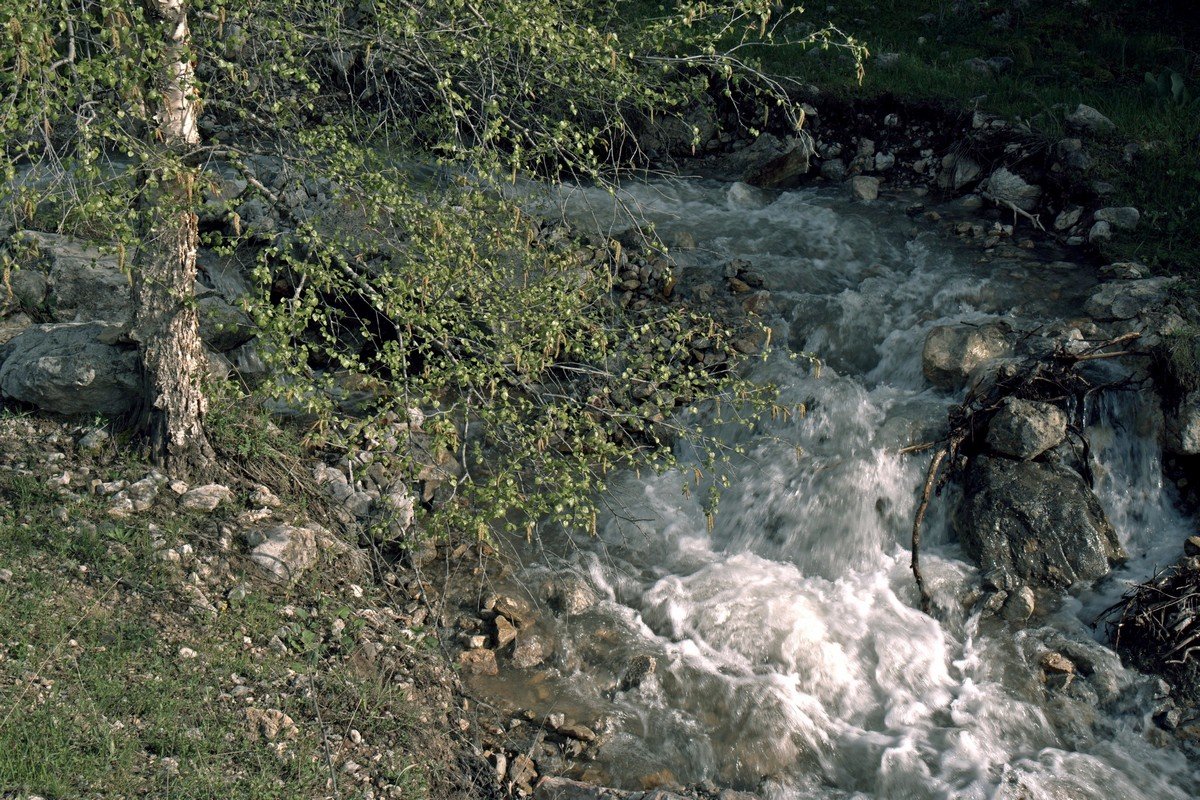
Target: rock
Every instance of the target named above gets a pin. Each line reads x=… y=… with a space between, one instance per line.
x=1057 y=662
x=1067 y=218
x=1183 y=426
x=206 y=498
x=833 y=170
x=571 y=596
x=271 y=723
x=505 y=632
x=187 y=653
x=771 y=162
x=958 y=171
x=1124 y=218
x=640 y=667
x=71 y=368
x=886 y=60
x=13 y=326
x=1020 y=605
x=94 y=440
x=264 y=497
x=953 y=352
x=1033 y=523
x=30 y=288
x=1005 y=187
x=514 y=608
x=682 y=134
x=1100 y=231
x=1086 y=119
x=577 y=731
x=285 y=552
x=884 y=162
x=1025 y=429
x=1192 y=546
x=1124 y=271
x=523 y=772
x=479 y=661
x=528 y=652
x=864 y=187
x=223 y=327
x=85 y=284
x=6 y=576
x=1127 y=299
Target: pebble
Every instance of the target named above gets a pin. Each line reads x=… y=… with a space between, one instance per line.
x=6 y=575
x=187 y=652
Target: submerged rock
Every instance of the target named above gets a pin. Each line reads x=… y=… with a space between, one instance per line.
x=1036 y=524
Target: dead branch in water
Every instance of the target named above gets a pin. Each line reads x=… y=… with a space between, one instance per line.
x=1054 y=378
x=930 y=479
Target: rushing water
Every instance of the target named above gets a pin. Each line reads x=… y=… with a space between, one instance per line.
x=792 y=659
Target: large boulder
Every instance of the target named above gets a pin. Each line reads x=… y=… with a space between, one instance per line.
x=1025 y=429
x=771 y=162
x=1183 y=426
x=952 y=352
x=1034 y=523
x=1007 y=188
x=85 y=283
x=71 y=368
x=223 y=327
x=680 y=134
x=1119 y=300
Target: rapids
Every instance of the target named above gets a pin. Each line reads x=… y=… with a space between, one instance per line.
x=792 y=658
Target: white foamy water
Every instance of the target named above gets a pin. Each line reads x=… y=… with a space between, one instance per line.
x=792 y=658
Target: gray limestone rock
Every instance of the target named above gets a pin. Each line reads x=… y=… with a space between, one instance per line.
x=1035 y=524
x=1024 y=429
x=71 y=368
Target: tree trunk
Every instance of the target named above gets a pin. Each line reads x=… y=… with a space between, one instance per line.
x=166 y=323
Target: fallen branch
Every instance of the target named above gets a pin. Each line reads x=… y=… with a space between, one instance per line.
x=930 y=479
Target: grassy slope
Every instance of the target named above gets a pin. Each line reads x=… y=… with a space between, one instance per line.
x=1063 y=53
x=96 y=699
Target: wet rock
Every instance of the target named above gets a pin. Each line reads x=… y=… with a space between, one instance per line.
x=1025 y=429
x=571 y=596
x=953 y=352
x=833 y=170
x=640 y=667
x=479 y=661
x=1020 y=604
x=1192 y=546
x=1183 y=426
x=1005 y=187
x=1123 y=218
x=528 y=652
x=517 y=610
x=1088 y=120
x=771 y=162
x=864 y=188
x=206 y=498
x=71 y=368
x=958 y=172
x=506 y=632
x=1119 y=300
x=1033 y=523
x=285 y=552
x=884 y=162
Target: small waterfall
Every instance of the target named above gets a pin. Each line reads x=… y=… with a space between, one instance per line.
x=792 y=659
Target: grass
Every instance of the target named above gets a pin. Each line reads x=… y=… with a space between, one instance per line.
x=96 y=699
x=1062 y=54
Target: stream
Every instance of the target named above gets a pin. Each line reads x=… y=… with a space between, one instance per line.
x=792 y=658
